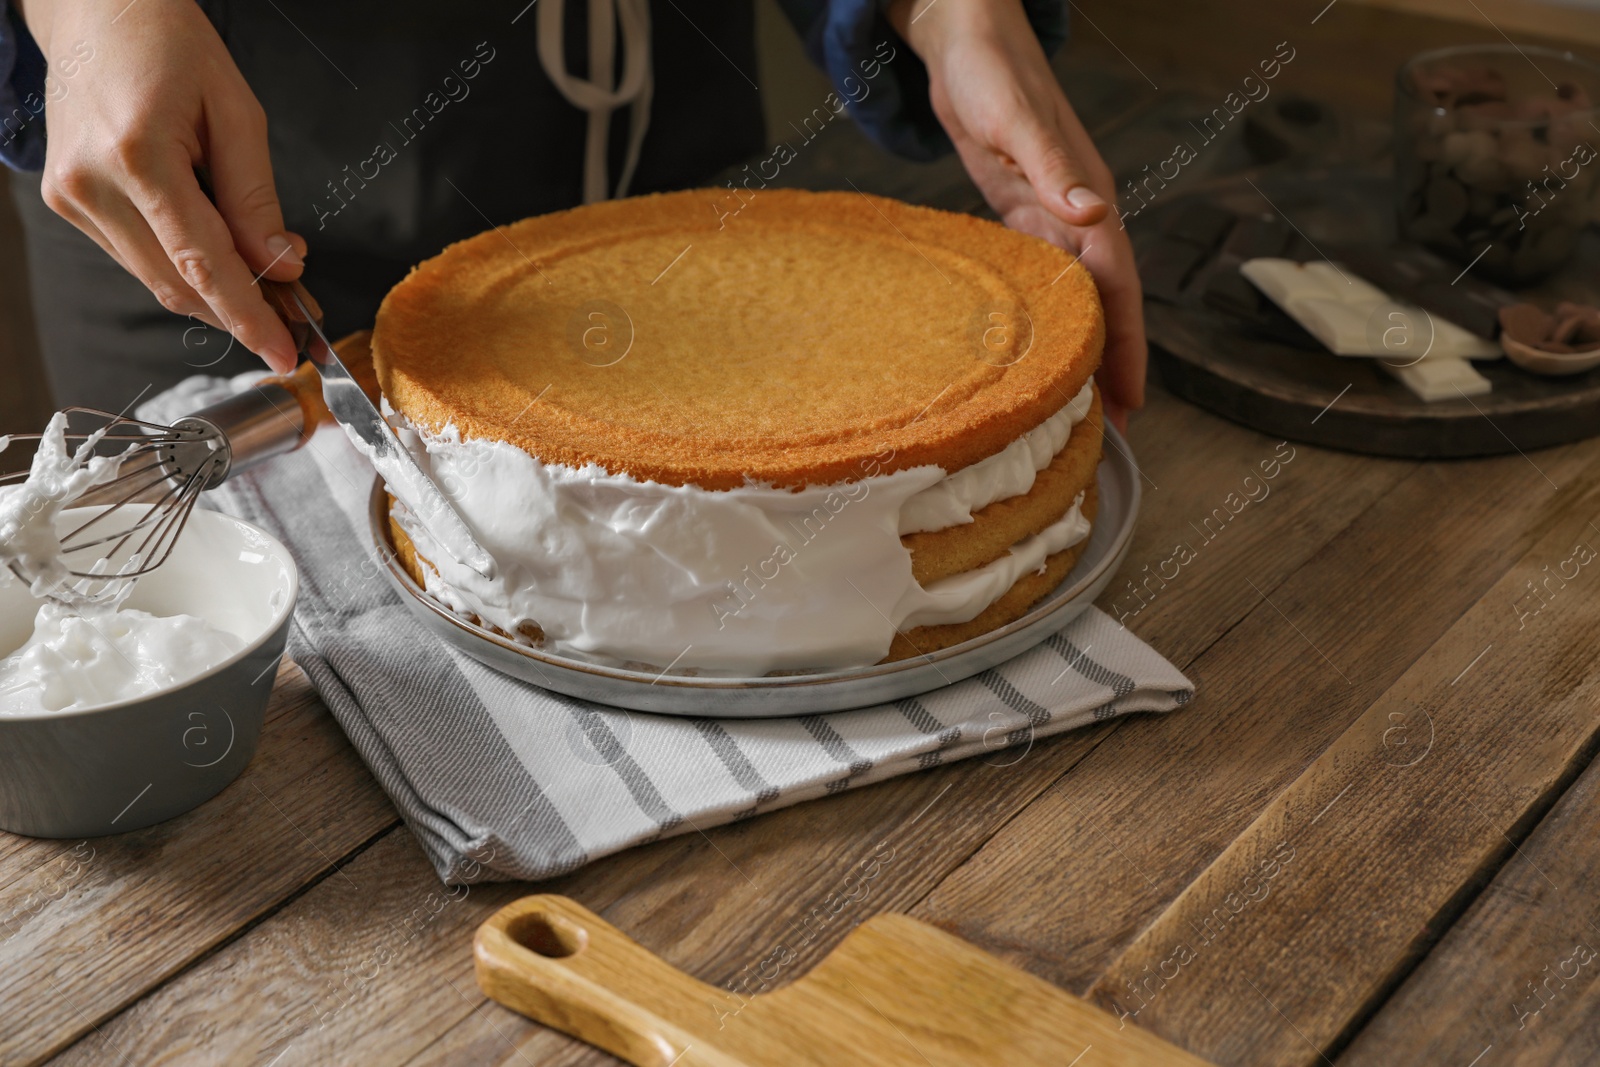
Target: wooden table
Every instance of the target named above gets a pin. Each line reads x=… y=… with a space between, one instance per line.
x=1369 y=840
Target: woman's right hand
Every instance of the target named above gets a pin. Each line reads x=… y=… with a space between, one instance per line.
x=157 y=96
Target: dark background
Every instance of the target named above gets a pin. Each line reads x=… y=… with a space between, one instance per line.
x=1173 y=43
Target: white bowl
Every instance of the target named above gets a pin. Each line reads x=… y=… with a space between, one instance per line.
x=126 y=765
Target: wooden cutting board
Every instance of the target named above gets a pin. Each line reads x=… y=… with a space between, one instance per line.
x=895 y=992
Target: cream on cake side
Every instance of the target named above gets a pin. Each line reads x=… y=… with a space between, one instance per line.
x=743 y=581
x=1007 y=473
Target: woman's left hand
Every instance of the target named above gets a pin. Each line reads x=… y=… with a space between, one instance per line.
x=993 y=90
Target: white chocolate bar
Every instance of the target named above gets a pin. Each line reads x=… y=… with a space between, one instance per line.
x=1435 y=378
x=1355 y=318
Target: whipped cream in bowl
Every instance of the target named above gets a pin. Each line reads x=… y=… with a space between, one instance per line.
x=84 y=659
x=117 y=715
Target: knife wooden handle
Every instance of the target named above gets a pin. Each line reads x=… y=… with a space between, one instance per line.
x=305 y=385
x=281 y=412
x=280 y=297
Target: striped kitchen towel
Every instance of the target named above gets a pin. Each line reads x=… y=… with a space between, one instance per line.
x=499 y=779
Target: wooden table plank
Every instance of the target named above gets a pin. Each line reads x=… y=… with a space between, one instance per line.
x=1166 y=796
x=1513 y=980
x=20 y=856
x=326 y=977
x=97 y=928
x=1310 y=915
x=718 y=904
x=1195 y=470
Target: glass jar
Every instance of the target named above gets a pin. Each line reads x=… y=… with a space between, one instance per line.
x=1497 y=148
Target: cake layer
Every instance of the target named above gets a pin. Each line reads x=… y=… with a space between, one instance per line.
x=1009 y=472
x=1013 y=605
x=813 y=339
x=991 y=531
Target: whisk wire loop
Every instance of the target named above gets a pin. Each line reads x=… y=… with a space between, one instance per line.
x=163 y=469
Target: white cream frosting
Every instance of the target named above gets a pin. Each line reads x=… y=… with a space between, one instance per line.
x=28 y=512
x=1009 y=472
x=950 y=599
x=84 y=652
x=742 y=581
x=76 y=661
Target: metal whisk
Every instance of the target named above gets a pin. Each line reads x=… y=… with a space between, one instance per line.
x=164 y=468
x=163 y=471
x=173 y=465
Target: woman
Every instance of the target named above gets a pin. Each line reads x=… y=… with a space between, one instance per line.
x=398 y=128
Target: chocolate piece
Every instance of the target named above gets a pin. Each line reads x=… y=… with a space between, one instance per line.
x=1573 y=327
x=1231 y=292
x=1300 y=249
x=1414 y=274
x=1460 y=84
x=1166 y=267
x=1201 y=224
x=1528 y=323
x=1577 y=325
x=1256 y=236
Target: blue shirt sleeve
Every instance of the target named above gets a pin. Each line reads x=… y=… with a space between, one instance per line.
x=883 y=83
x=22 y=93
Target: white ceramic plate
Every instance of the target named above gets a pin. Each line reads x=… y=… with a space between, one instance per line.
x=803 y=694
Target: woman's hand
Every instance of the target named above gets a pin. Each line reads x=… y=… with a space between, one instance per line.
x=159 y=96
x=993 y=90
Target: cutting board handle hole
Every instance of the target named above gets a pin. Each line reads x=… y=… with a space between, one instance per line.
x=551 y=936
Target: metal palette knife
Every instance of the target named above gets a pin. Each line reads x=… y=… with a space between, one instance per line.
x=355 y=411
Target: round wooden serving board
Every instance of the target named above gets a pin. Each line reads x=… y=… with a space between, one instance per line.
x=1353 y=404
x=1213 y=345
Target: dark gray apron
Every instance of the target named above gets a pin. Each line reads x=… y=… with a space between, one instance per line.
x=395 y=129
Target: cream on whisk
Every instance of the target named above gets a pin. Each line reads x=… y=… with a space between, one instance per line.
x=29 y=542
